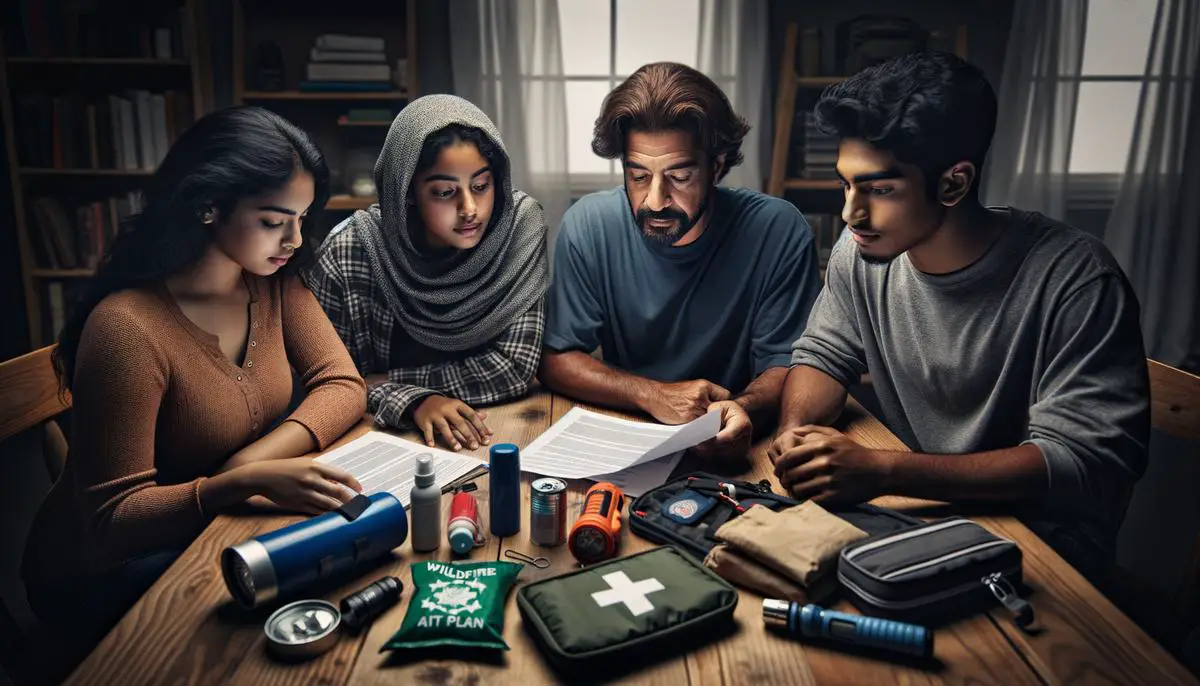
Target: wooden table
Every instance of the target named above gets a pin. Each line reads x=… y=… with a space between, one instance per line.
x=187 y=630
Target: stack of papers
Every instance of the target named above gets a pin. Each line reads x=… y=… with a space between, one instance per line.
x=383 y=462
x=635 y=456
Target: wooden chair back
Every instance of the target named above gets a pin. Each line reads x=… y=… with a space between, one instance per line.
x=1175 y=410
x=1174 y=401
x=32 y=396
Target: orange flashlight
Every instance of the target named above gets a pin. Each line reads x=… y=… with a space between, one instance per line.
x=595 y=534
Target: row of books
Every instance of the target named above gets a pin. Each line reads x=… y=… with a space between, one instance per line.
x=60 y=298
x=818 y=158
x=130 y=131
x=82 y=28
x=76 y=236
x=826 y=228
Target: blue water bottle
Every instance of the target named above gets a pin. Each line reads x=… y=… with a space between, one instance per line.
x=504 y=489
x=813 y=621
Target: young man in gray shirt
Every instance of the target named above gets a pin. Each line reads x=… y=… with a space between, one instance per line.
x=1004 y=346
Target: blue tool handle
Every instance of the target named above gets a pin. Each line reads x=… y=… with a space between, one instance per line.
x=884 y=634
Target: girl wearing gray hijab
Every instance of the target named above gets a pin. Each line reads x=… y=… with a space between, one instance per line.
x=437 y=290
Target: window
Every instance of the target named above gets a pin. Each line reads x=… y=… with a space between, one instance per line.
x=602 y=44
x=1115 y=50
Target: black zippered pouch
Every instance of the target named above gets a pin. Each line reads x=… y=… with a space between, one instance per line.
x=688 y=511
x=934 y=572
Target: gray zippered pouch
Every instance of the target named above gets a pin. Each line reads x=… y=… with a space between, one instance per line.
x=934 y=572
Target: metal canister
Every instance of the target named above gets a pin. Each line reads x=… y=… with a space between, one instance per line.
x=303 y=629
x=548 y=512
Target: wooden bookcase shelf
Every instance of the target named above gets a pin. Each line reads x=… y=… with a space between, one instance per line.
x=350 y=202
x=49 y=171
x=77 y=88
x=99 y=61
x=292 y=32
x=63 y=273
x=313 y=95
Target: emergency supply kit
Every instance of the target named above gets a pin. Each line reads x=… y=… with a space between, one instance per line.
x=604 y=617
x=613 y=609
x=934 y=572
x=688 y=511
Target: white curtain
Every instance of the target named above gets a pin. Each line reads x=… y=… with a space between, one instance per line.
x=732 y=51
x=1154 y=227
x=1039 y=90
x=507 y=59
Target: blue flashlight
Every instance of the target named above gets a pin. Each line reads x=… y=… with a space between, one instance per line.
x=813 y=621
x=278 y=563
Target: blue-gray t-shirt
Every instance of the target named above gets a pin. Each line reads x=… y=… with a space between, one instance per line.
x=725 y=308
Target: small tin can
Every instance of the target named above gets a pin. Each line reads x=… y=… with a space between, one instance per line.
x=303 y=629
x=548 y=512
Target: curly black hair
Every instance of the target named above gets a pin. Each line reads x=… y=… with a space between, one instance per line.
x=930 y=109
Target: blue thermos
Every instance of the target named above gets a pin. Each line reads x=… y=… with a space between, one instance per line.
x=813 y=621
x=504 y=489
x=279 y=563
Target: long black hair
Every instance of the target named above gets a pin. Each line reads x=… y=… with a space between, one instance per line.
x=226 y=156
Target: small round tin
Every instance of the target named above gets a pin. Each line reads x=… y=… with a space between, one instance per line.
x=548 y=512
x=303 y=629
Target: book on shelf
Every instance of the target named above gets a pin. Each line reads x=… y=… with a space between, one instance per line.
x=130 y=131
x=346 y=86
x=818 y=159
x=826 y=228
x=319 y=55
x=61 y=296
x=329 y=71
x=76 y=236
x=333 y=42
x=367 y=114
x=55 y=28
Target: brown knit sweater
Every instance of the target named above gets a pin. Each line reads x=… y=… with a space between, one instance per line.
x=158 y=408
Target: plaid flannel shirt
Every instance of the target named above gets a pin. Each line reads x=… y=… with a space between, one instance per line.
x=346 y=288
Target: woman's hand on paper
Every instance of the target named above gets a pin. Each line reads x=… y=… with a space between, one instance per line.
x=453 y=420
x=301 y=484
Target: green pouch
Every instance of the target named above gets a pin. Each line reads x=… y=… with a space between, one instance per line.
x=607 y=616
x=456 y=604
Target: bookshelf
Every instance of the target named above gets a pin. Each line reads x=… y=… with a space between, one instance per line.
x=76 y=160
x=348 y=121
x=809 y=170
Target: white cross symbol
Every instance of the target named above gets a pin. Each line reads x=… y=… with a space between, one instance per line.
x=622 y=590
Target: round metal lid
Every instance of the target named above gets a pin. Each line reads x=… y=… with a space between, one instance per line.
x=303 y=627
x=549 y=485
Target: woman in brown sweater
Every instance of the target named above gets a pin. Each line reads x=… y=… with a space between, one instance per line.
x=180 y=357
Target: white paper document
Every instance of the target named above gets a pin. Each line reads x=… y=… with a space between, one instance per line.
x=636 y=480
x=383 y=462
x=585 y=445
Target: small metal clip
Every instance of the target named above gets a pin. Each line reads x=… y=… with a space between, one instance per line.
x=539 y=562
x=1003 y=590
